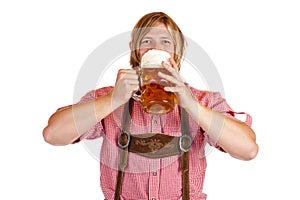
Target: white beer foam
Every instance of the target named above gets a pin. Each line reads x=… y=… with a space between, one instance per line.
x=155 y=57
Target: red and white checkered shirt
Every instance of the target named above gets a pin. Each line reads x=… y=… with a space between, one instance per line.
x=146 y=178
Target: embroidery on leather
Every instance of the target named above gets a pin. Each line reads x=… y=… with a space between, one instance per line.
x=153 y=144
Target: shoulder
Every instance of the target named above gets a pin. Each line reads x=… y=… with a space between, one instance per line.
x=203 y=95
x=93 y=94
x=103 y=91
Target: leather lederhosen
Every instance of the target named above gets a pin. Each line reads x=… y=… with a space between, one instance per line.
x=154 y=145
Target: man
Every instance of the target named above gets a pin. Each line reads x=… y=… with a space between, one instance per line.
x=106 y=112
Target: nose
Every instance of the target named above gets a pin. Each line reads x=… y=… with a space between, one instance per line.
x=157 y=45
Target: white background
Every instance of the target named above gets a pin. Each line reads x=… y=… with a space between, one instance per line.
x=254 y=45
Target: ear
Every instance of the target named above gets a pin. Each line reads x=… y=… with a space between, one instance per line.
x=130 y=45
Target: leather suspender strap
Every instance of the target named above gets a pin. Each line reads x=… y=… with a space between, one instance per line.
x=185 y=145
x=123 y=143
x=185 y=178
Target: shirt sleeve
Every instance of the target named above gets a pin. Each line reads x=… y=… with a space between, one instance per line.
x=216 y=102
x=97 y=130
x=219 y=104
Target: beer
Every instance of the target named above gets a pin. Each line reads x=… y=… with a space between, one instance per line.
x=154 y=98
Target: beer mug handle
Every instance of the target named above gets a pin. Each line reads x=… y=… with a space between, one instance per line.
x=137 y=96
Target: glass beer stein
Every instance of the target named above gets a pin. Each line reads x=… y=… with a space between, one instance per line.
x=154 y=99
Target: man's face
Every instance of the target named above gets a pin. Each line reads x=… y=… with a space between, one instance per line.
x=157 y=38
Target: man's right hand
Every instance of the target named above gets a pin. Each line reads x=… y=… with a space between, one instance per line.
x=126 y=84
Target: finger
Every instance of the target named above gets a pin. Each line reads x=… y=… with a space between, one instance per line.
x=126 y=71
x=173 y=89
x=133 y=88
x=121 y=74
x=171 y=79
x=131 y=82
x=130 y=76
x=124 y=74
x=126 y=82
x=173 y=63
x=167 y=65
x=172 y=70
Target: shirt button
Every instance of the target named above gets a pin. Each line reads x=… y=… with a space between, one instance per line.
x=153 y=199
x=154 y=173
x=155 y=121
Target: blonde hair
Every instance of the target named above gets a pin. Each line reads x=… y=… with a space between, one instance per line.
x=142 y=27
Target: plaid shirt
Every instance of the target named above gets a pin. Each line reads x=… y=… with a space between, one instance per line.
x=146 y=178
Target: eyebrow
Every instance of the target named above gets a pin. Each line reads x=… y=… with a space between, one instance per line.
x=162 y=37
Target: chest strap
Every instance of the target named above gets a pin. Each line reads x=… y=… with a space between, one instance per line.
x=154 y=145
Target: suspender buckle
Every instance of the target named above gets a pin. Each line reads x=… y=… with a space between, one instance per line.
x=124 y=139
x=185 y=143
